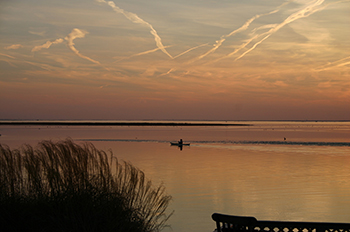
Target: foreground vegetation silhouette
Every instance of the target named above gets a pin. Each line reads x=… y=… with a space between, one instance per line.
x=64 y=186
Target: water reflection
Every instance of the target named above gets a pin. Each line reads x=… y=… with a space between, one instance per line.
x=268 y=184
x=302 y=179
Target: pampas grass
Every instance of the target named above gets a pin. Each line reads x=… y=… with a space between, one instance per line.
x=64 y=186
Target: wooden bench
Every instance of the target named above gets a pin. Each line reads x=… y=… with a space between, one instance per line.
x=228 y=223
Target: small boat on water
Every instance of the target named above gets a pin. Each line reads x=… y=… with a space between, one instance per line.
x=179 y=144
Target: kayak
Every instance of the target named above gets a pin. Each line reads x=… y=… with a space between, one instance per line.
x=179 y=144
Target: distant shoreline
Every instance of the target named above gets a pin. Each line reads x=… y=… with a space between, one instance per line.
x=62 y=123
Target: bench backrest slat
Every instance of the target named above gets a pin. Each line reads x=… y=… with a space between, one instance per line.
x=241 y=223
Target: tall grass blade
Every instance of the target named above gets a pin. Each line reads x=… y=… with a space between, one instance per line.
x=65 y=186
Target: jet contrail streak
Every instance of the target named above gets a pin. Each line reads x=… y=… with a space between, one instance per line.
x=149 y=51
x=183 y=53
x=253 y=47
x=142 y=53
x=47 y=45
x=268 y=26
x=223 y=38
x=188 y=50
x=242 y=28
x=305 y=12
x=170 y=70
x=77 y=33
x=136 y=19
x=237 y=49
x=338 y=63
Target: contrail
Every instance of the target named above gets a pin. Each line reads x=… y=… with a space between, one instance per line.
x=77 y=33
x=253 y=47
x=243 y=45
x=188 y=50
x=306 y=12
x=136 y=19
x=183 y=53
x=223 y=38
x=338 y=63
x=142 y=53
x=268 y=26
x=170 y=70
x=242 y=28
x=47 y=45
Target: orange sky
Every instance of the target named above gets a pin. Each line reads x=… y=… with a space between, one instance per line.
x=223 y=60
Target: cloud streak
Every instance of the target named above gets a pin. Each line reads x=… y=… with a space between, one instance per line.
x=1 y=54
x=13 y=47
x=136 y=19
x=47 y=45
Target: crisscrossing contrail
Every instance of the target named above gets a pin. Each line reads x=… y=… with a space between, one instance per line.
x=136 y=19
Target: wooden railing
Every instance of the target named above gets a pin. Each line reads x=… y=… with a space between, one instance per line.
x=228 y=223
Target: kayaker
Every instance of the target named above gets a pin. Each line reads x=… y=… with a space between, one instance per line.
x=180 y=142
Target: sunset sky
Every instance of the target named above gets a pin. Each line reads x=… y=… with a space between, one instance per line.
x=158 y=59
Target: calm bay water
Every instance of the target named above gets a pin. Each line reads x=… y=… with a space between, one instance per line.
x=250 y=170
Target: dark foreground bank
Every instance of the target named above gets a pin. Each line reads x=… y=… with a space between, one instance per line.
x=116 y=123
x=64 y=186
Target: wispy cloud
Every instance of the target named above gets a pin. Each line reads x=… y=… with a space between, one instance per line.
x=2 y=54
x=136 y=19
x=39 y=33
x=47 y=45
x=40 y=65
x=13 y=47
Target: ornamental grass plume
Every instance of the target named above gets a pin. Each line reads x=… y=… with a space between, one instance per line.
x=64 y=186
